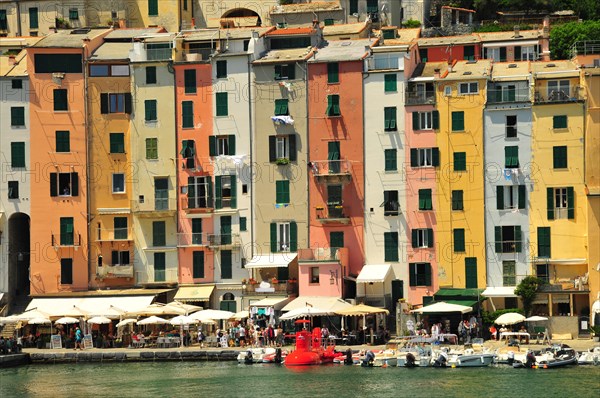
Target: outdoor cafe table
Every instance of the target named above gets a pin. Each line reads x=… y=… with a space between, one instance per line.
x=519 y=335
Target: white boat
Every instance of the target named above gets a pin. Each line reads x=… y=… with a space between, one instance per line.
x=385 y=358
x=254 y=355
x=590 y=357
x=414 y=357
x=471 y=360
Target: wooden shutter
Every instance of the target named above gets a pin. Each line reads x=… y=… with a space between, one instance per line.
x=429 y=237
x=274 y=248
x=221 y=69
x=412 y=274
x=291 y=71
x=218 y=193
x=517 y=53
x=390 y=240
x=333 y=72
x=191 y=192
x=231 y=144
x=292 y=148
x=293 y=236
x=498 y=239
x=544 y=242
x=198 y=264
x=74 y=184
x=53 y=184
x=550 y=203
x=103 y=103
x=459 y=240
x=500 y=197
x=458 y=121
x=272 y=148
x=435 y=119
x=518 y=239
x=414 y=157
x=222 y=105
x=502 y=54
x=187 y=114
x=212 y=145
x=115 y=257
x=427 y=269
x=435 y=157
x=128 y=103
x=414 y=237
x=189 y=78
x=570 y=203
x=390 y=84
x=415 y=121
x=522 y=196
x=471 y=272
x=233 y=199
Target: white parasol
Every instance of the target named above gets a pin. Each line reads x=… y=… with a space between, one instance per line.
x=39 y=321
x=183 y=320
x=99 y=320
x=126 y=322
x=536 y=318
x=153 y=320
x=443 y=307
x=212 y=315
x=66 y=320
x=510 y=318
x=306 y=311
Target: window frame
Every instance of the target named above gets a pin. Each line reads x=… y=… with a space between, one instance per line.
x=333 y=106
x=314 y=276
x=390 y=118
x=468 y=88
x=113 y=181
x=199 y=184
x=13 y=190
x=511 y=129
x=560 y=157
x=117 y=143
x=60 y=95
x=282 y=192
x=17 y=116
x=150 y=150
x=425 y=200
x=150 y=109
x=508 y=277
x=283 y=237
x=390 y=159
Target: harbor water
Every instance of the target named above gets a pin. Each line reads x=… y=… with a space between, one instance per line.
x=228 y=379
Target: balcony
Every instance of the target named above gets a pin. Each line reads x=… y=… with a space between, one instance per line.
x=198 y=206
x=420 y=97
x=110 y=235
x=224 y=241
x=499 y=96
x=195 y=55
x=192 y=239
x=279 y=288
x=569 y=94
x=322 y=254
x=508 y=246
x=332 y=172
x=115 y=271
x=66 y=240
x=153 y=277
x=157 y=208
x=335 y=214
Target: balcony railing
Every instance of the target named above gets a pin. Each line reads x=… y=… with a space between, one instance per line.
x=571 y=94
x=71 y=239
x=320 y=254
x=197 y=54
x=420 y=97
x=200 y=205
x=151 y=276
x=157 y=207
x=281 y=287
x=110 y=234
x=495 y=96
x=155 y=54
x=509 y=246
x=333 y=214
x=332 y=171
x=192 y=239
x=115 y=271
x=224 y=240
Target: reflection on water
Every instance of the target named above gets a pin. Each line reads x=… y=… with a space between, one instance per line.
x=230 y=379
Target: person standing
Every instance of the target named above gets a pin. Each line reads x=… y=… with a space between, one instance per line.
x=78 y=338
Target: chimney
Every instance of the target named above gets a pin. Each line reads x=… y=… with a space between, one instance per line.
x=517 y=33
x=12 y=59
x=193 y=23
x=546 y=28
x=436 y=73
x=450 y=64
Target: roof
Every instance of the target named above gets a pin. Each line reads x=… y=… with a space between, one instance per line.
x=343 y=50
x=447 y=40
x=194 y=293
x=306 y=7
x=292 y=31
x=509 y=35
x=404 y=36
x=459 y=9
x=351 y=28
x=112 y=51
x=373 y=273
x=326 y=303
x=216 y=23
x=237 y=33
x=157 y=38
x=287 y=55
x=510 y=71
x=271 y=260
x=428 y=69
x=67 y=39
x=100 y=293
x=130 y=33
x=23 y=41
x=554 y=69
x=468 y=70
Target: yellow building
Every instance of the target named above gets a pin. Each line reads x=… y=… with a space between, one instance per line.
x=38 y=18
x=558 y=217
x=459 y=204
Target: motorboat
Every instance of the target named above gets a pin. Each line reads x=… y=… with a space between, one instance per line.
x=349 y=358
x=590 y=357
x=253 y=355
x=471 y=360
x=562 y=357
x=274 y=355
x=552 y=357
x=385 y=358
x=309 y=351
x=414 y=355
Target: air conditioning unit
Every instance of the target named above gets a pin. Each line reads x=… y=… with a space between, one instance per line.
x=350 y=301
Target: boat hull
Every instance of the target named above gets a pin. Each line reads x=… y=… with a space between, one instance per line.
x=474 y=361
x=304 y=358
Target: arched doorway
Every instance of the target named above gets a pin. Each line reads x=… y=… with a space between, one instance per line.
x=228 y=303
x=245 y=17
x=18 y=254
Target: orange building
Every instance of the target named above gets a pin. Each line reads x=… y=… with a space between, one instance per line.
x=59 y=200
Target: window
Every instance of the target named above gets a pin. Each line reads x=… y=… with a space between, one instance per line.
x=543 y=245
x=282 y=191
x=225 y=191
x=63 y=141
x=66 y=271
x=188 y=153
x=117 y=143
x=150 y=111
x=333 y=72
x=13 y=190
x=391 y=205
x=389 y=34
x=16 y=84
x=558 y=90
x=246 y=44
x=390 y=246
x=152 y=7
x=419 y=274
x=559 y=154
x=199 y=192
x=3 y=20
x=118 y=183
x=460 y=161
x=281 y=107
x=561 y=203
x=424 y=157
x=353 y=7
x=189 y=78
x=422 y=237
x=159 y=234
x=511 y=126
x=119 y=70
x=425 y=202
x=469 y=53
x=335 y=201
x=508 y=239
x=222 y=107
x=187 y=114
x=511 y=157
x=64 y=184
x=542 y=271
x=426 y=120
x=459 y=240
x=161 y=193
x=73 y=14
x=423 y=54
x=559 y=122
x=509 y=270
x=197 y=264
x=390 y=83
x=457 y=200
x=151 y=148
x=60 y=100
x=160 y=263
x=221 y=69
x=196 y=231
x=243 y=224
x=286 y=71
x=221 y=145
x=458 y=121
x=66 y=231
x=511 y=197
x=284 y=237
x=17 y=116
x=17 y=154
x=390 y=119
x=150 y=74
x=33 y=18
x=471 y=272
x=116 y=103
x=497 y=54
x=282 y=147
x=226 y=264
x=391 y=161
x=99 y=70
x=528 y=53
x=468 y=88
x=58 y=63
x=334 y=157
x=120 y=258
x=333 y=105
x=120 y=227
x=314 y=274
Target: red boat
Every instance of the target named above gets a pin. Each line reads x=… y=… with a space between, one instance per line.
x=309 y=350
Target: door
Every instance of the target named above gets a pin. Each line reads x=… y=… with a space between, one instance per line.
x=336 y=240
x=333 y=155
x=161 y=193
x=397 y=291
x=159 y=267
x=226 y=230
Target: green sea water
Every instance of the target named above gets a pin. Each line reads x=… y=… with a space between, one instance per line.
x=228 y=379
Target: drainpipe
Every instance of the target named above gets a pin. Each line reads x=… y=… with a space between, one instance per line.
x=19 y=30
x=307 y=158
x=251 y=157
x=87 y=165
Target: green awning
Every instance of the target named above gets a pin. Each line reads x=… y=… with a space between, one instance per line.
x=457 y=293
x=468 y=303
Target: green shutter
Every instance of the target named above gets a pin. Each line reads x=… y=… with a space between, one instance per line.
x=198 y=264
x=429 y=237
x=17 y=116
x=517 y=53
x=151 y=75
x=158 y=233
x=17 y=154
x=559 y=122
x=212 y=145
x=570 y=203
x=293 y=236
x=457 y=200
x=189 y=79
x=502 y=54
x=498 y=239
x=391 y=163
x=518 y=239
x=233 y=199
x=435 y=118
x=333 y=72
x=435 y=157
x=550 y=203
x=281 y=107
x=544 y=242
x=66 y=231
x=150 y=110
x=414 y=157
x=274 y=238
x=221 y=69
x=412 y=274
x=53 y=184
x=282 y=191
x=60 y=100
x=222 y=106
x=333 y=105
x=277 y=74
x=218 y=193
x=390 y=119
x=560 y=157
x=415 y=121
x=390 y=240
x=63 y=141
x=117 y=143
x=511 y=156
x=151 y=148
x=390 y=83
x=471 y=272
x=425 y=202
x=414 y=237
x=427 y=269
x=187 y=114
x=459 y=240
x=500 y=197
x=152 y=7
x=458 y=121
x=33 y=18
x=231 y=144
x=460 y=161
x=243 y=224
x=522 y=196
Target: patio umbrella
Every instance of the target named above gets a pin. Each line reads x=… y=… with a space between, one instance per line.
x=73 y=312
x=158 y=309
x=443 y=307
x=510 y=318
x=305 y=311
x=536 y=318
x=126 y=322
x=99 y=320
x=31 y=314
x=188 y=308
x=39 y=321
x=153 y=320
x=212 y=315
x=362 y=309
x=241 y=315
x=66 y=320
x=181 y=320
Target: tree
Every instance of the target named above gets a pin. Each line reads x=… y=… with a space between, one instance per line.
x=562 y=37
x=527 y=290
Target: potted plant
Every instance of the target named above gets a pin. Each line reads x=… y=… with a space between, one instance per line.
x=282 y=161
x=274 y=281
x=244 y=281
x=292 y=280
x=252 y=281
x=595 y=331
